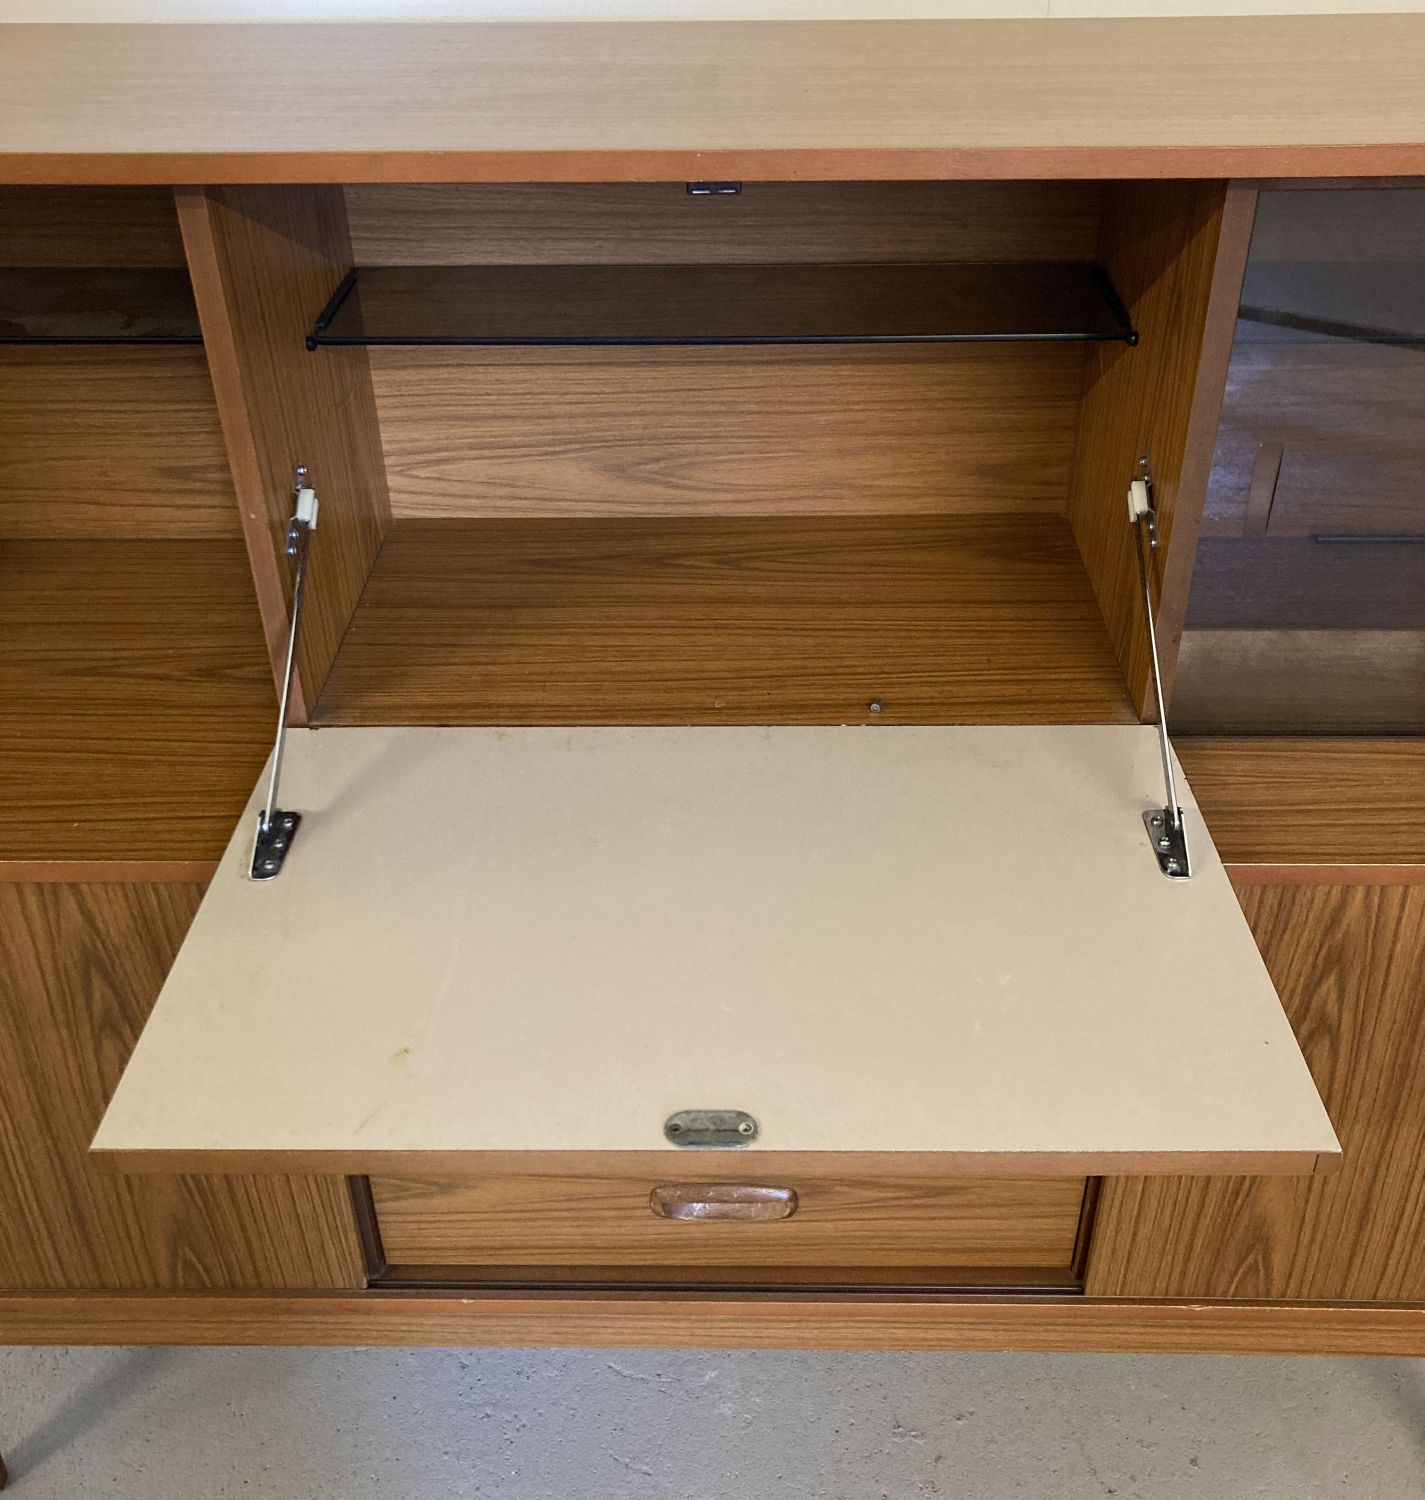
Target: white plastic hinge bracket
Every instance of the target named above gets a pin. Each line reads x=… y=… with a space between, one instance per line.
x=1140 y=502
x=304 y=511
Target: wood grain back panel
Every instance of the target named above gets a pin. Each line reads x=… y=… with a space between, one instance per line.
x=136 y=707
x=653 y=223
x=847 y=1226
x=81 y=968
x=111 y=442
x=75 y=227
x=1176 y=252
x=264 y=261
x=767 y=620
x=1347 y=962
x=720 y=431
x=740 y=432
x=1310 y=801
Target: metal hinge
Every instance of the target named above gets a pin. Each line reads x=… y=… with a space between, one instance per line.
x=276 y=827
x=1166 y=827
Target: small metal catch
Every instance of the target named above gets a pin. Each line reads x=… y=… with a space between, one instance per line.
x=714 y=189
x=710 y=1129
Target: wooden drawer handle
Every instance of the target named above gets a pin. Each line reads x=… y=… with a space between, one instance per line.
x=722 y=1200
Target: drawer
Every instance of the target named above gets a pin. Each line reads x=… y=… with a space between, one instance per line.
x=678 y=1230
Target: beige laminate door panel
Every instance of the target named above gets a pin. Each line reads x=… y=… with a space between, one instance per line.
x=973 y=1230
x=942 y=950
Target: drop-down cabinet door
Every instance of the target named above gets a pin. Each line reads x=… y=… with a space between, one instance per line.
x=712 y=955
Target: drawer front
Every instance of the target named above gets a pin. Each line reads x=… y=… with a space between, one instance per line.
x=968 y=1231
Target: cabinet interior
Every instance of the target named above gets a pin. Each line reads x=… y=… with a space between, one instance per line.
x=135 y=694
x=797 y=532
x=800 y=533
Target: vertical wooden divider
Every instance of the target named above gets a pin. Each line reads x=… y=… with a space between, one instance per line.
x=1177 y=252
x=264 y=261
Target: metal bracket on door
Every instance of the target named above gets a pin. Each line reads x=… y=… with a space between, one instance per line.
x=277 y=828
x=1166 y=829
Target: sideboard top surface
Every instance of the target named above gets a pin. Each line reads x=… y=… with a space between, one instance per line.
x=606 y=101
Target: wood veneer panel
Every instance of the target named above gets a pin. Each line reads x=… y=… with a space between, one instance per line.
x=1263 y=96
x=765 y=620
x=748 y=432
x=626 y=1320
x=1176 y=253
x=136 y=707
x=659 y=222
x=111 y=443
x=82 y=871
x=81 y=969
x=839 y=1225
x=1311 y=801
x=76 y=227
x=262 y=260
x=1347 y=962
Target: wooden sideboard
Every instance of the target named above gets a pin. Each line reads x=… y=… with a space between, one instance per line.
x=802 y=390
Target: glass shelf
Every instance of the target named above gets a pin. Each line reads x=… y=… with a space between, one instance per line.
x=1370 y=304
x=43 y=305
x=723 y=304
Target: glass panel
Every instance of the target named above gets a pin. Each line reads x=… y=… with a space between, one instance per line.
x=1307 y=612
x=712 y=304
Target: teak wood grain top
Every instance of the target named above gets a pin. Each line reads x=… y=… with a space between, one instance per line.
x=1261 y=96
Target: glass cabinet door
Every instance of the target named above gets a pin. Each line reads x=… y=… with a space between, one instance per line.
x=1307 y=611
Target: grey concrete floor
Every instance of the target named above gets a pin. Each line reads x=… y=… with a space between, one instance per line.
x=348 y=1424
